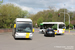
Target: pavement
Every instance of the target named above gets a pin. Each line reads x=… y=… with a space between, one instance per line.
x=39 y=42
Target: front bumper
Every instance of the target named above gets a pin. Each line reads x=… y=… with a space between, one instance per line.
x=23 y=35
x=50 y=33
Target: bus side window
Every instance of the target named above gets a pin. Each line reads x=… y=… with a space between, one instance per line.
x=54 y=27
x=45 y=27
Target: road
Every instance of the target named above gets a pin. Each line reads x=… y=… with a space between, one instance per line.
x=39 y=42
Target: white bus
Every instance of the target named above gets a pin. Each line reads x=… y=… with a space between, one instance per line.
x=59 y=27
x=23 y=28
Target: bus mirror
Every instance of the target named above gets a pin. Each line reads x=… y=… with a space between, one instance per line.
x=33 y=30
x=14 y=25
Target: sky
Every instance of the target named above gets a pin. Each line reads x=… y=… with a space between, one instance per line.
x=34 y=6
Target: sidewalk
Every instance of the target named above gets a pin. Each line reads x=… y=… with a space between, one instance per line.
x=71 y=33
x=5 y=30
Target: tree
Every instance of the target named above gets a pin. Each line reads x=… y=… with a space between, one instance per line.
x=9 y=13
x=1 y=2
x=51 y=16
x=40 y=20
x=44 y=16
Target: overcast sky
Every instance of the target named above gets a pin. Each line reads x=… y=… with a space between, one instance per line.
x=33 y=6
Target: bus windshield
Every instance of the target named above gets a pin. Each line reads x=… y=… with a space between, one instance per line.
x=24 y=27
x=61 y=26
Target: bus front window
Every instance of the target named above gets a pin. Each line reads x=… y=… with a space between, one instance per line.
x=24 y=28
x=61 y=26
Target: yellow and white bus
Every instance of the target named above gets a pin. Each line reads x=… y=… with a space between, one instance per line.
x=23 y=28
x=59 y=27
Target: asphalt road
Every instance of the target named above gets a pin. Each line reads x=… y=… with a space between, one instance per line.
x=39 y=42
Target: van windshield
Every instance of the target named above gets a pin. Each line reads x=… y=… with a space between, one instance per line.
x=24 y=27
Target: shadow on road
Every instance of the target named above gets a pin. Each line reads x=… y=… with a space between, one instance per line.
x=23 y=39
x=49 y=36
x=41 y=33
x=59 y=34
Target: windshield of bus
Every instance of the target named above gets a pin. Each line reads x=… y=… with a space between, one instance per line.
x=24 y=27
x=61 y=26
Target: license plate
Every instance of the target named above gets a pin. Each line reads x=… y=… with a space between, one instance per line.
x=50 y=32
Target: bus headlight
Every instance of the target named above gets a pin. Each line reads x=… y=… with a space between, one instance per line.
x=30 y=34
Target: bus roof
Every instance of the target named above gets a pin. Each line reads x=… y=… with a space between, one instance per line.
x=52 y=23
x=23 y=19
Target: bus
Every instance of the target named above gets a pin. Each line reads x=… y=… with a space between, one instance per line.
x=23 y=28
x=59 y=27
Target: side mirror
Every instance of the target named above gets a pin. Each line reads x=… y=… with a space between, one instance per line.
x=14 y=25
x=33 y=30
